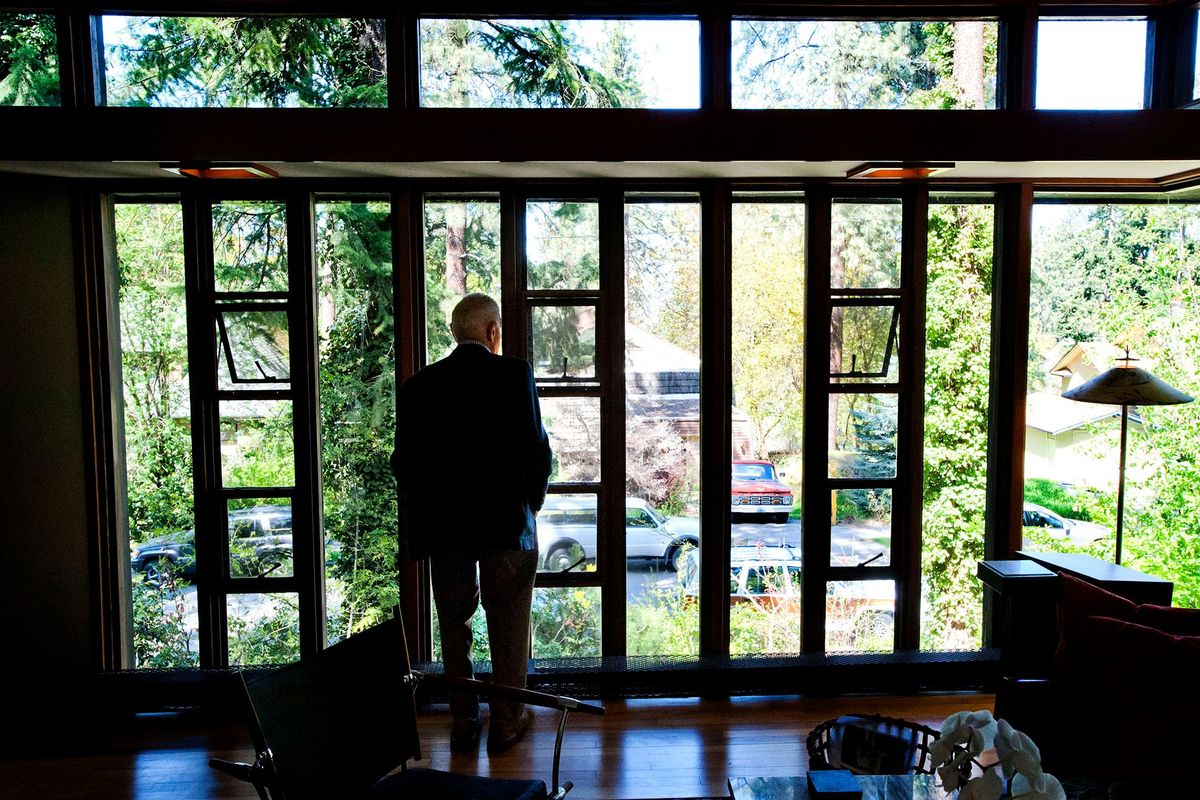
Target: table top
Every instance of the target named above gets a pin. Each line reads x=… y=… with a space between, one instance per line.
x=875 y=787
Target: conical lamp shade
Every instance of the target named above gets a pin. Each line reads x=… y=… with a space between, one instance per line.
x=1127 y=386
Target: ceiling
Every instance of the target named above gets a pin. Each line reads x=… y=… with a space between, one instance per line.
x=1048 y=171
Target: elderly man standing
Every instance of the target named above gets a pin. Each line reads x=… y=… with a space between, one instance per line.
x=472 y=460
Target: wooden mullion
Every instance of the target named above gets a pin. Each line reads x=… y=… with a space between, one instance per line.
x=610 y=369
x=408 y=308
x=1016 y=80
x=1006 y=419
x=210 y=512
x=307 y=542
x=910 y=446
x=816 y=537
x=716 y=393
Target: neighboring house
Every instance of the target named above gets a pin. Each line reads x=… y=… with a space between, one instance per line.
x=662 y=383
x=1061 y=435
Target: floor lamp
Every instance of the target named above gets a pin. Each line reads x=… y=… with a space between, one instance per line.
x=1126 y=385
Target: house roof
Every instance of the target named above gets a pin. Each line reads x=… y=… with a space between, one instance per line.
x=1055 y=414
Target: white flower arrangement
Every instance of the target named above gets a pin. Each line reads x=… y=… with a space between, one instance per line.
x=966 y=735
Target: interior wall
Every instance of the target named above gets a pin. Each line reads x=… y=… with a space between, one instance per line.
x=45 y=584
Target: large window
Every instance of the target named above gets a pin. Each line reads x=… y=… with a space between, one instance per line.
x=864 y=64
x=559 y=63
x=958 y=352
x=357 y=381
x=1091 y=63
x=155 y=384
x=662 y=423
x=767 y=423
x=238 y=62
x=1107 y=277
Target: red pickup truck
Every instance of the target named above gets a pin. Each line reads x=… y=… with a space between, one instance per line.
x=755 y=489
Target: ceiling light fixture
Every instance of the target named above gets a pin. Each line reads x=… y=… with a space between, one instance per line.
x=221 y=169
x=898 y=170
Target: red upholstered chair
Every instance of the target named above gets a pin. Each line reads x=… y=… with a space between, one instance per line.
x=1121 y=702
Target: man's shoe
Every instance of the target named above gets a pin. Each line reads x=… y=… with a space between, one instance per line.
x=498 y=741
x=464 y=735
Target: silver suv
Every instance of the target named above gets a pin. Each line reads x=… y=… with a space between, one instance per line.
x=567 y=532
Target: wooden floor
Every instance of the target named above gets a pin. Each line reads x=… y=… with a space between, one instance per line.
x=663 y=748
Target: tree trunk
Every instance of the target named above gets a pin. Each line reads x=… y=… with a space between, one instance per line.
x=968 y=63
x=373 y=39
x=456 y=249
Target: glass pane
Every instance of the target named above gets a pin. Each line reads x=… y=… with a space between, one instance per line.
x=253 y=350
x=157 y=441
x=860 y=616
x=662 y=424
x=573 y=424
x=1196 y=59
x=865 y=252
x=462 y=254
x=958 y=354
x=862 y=528
x=566 y=622
x=263 y=628
x=1105 y=277
x=864 y=343
x=1091 y=63
x=563 y=341
x=767 y=423
x=560 y=63
x=863 y=435
x=244 y=62
x=250 y=246
x=562 y=244
x=256 y=443
x=566 y=528
x=357 y=376
x=864 y=64
x=260 y=538
x=764 y=595
x=28 y=60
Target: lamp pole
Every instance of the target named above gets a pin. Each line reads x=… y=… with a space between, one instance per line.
x=1121 y=478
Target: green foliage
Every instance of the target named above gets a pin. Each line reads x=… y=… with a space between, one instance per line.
x=358 y=413
x=1048 y=494
x=957 y=364
x=468 y=232
x=1128 y=274
x=865 y=64
x=162 y=638
x=154 y=369
x=566 y=622
x=28 y=60
x=248 y=61
x=267 y=632
x=525 y=63
x=768 y=319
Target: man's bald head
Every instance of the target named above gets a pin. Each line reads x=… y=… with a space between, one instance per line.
x=477 y=317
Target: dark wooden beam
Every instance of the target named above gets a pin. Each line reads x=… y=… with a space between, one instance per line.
x=138 y=134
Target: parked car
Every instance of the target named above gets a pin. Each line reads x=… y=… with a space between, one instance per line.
x=770 y=577
x=567 y=532
x=260 y=541
x=755 y=489
x=1075 y=530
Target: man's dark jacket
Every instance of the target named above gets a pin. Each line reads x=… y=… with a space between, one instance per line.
x=472 y=457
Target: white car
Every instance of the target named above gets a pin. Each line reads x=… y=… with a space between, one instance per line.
x=1074 y=530
x=567 y=532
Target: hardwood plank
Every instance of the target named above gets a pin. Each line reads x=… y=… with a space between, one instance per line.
x=658 y=748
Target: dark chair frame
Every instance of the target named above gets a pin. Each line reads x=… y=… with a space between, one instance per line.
x=262 y=773
x=818 y=742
